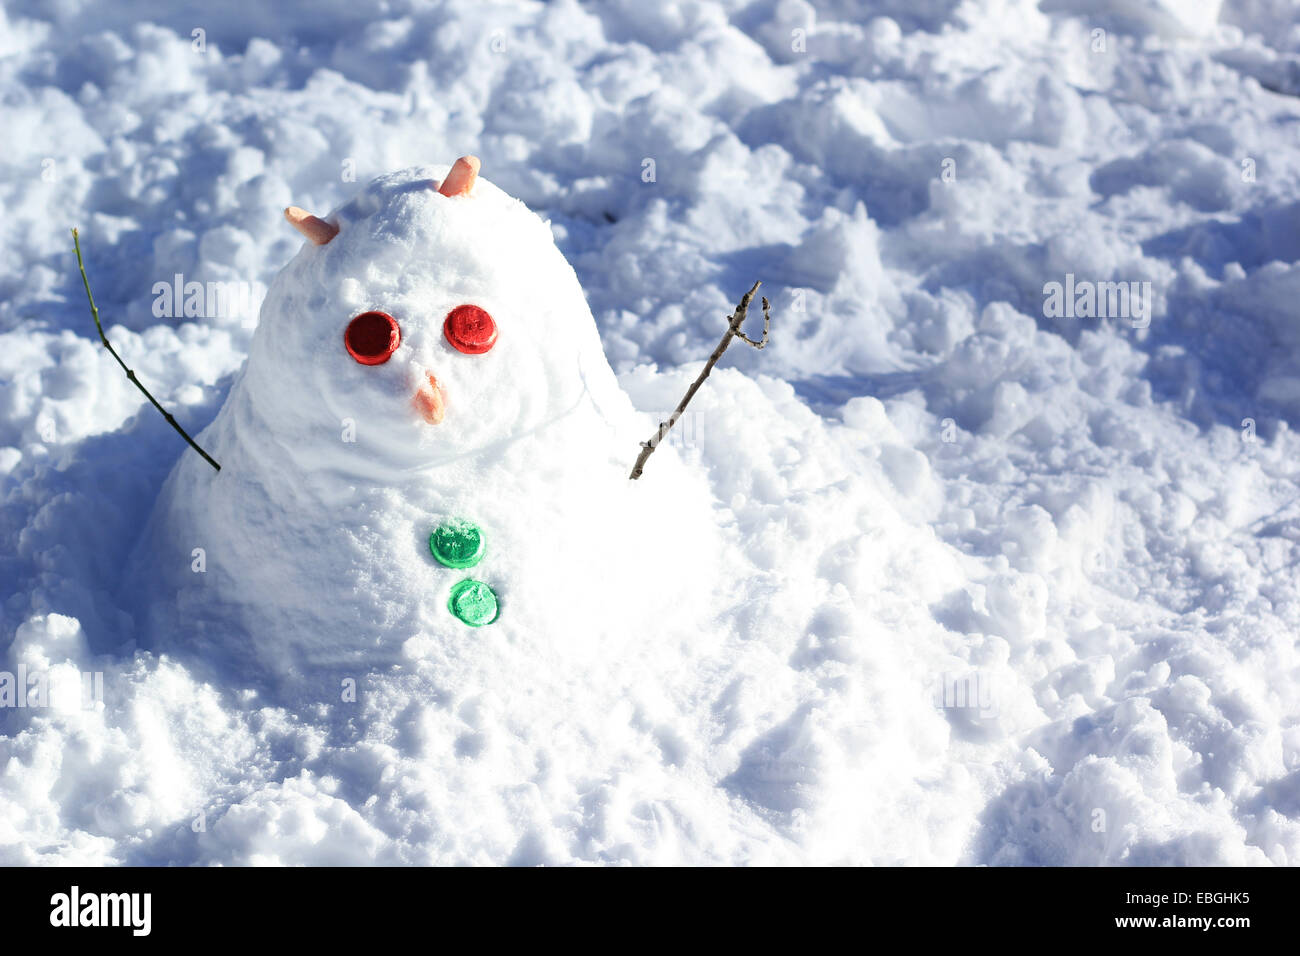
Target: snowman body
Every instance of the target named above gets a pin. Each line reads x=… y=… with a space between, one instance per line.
x=315 y=535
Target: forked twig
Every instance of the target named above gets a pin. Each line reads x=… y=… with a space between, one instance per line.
x=734 y=322
x=94 y=312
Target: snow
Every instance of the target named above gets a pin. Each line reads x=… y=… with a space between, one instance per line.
x=934 y=578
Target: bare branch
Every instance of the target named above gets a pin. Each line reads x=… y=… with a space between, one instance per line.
x=734 y=322
x=767 y=319
x=130 y=374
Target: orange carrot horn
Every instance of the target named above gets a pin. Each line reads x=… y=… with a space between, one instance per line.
x=461 y=178
x=313 y=227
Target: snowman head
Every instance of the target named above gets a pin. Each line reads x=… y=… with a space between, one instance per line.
x=432 y=311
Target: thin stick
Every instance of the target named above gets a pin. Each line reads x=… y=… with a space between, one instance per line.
x=94 y=311
x=734 y=322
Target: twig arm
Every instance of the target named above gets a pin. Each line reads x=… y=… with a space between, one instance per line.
x=734 y=322
x=130 y=373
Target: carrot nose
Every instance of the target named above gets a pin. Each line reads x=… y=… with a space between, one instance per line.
x=429 y=402
x=461 y=178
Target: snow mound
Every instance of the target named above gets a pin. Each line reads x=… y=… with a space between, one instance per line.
x=936 y=577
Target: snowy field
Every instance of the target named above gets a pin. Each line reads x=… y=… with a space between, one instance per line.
x=970 y=565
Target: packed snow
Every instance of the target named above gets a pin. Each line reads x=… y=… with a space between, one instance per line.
x=986 y=558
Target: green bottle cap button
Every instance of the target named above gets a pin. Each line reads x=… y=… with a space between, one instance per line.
x=457 y=544
x=473 y=602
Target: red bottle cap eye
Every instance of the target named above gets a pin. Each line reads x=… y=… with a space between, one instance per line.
x=372 y=337
x=469 y=329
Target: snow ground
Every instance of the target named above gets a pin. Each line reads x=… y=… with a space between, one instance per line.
x=923 y=485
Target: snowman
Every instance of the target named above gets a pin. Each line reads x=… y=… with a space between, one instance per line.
x=425 y=455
